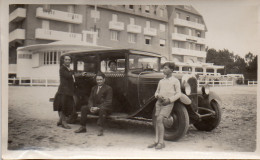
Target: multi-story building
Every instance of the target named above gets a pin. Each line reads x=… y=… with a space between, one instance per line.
x=175 y=32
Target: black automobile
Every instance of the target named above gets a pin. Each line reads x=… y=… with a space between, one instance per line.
x=134 y=83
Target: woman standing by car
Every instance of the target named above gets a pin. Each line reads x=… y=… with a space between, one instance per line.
x=64 y=101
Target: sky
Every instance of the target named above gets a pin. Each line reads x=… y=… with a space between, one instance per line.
x=231 y=24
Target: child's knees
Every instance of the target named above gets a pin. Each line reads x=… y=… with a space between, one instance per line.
x=160 y=119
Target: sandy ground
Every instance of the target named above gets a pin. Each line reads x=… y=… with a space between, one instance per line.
x=32 y=125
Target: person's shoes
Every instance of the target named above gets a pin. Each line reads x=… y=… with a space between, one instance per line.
x=65 y=125
x=100 y=132
x=81 y=130
x=59 y=123
x=160 y=146
x=152 y=145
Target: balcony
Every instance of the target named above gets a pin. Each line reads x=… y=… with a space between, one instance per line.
x=184 y=37
x=150 y=31
x=134 y=28
x=187 y=52
x=116 y=25
x=56 y=35
x=59 y=16
x=17 y=15
x=18 y=34
x=182 y=22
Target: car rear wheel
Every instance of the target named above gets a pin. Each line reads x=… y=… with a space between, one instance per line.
x=177 y=124
x=211 y=122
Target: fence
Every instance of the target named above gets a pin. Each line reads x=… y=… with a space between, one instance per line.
x=29 y=81
x=215 y=83
x=251 y=83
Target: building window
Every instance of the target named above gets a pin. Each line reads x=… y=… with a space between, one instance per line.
x=198 y=34
x=162 y=42
x=162 y=27
x=178 y=15
x=132 y=21
x=198 y=47
x=95 y=30
x=45 y=24
x=24 y=56
x=114 y=35
x=175 y=29
x=114 y=17
x=190 y=46
x=188 y=18
x=131 y=6
x=71 y=9
x=51 y=57
x=177 y=44
x=147 y=9
x=189 y=31
x=148 y=40
x=131 y=37
x=161 y=12
x=196 y=20
x=148 y=23
x=46 y=8
x=71 y=28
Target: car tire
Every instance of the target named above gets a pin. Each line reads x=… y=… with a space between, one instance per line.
x=178 y=128
x=210 y=123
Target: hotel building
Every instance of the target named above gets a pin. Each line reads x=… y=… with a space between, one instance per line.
x=39 y=34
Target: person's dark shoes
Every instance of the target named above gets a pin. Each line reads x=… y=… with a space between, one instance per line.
x=81 y=130
x=160 y=146
x=100 y=132
x=59 y=123
x=152 y=145
x=66 y=126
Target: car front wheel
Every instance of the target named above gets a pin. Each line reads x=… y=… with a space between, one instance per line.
x=177 y=124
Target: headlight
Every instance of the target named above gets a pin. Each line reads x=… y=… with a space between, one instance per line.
x=205 y=89
x=187 y=89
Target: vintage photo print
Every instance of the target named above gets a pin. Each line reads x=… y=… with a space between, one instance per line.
x=130 y=79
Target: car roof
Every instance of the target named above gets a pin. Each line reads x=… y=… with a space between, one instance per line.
x=111 y=51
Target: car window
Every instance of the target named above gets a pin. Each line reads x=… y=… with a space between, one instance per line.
x=85 y=64
x=143 y=62
x=112 y=65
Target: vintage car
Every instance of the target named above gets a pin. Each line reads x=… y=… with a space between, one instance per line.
x=134 y=83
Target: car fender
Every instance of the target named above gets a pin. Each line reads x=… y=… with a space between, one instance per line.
x=214 y=96
x=185 y=99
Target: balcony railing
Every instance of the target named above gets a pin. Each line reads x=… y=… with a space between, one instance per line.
x=134 y=28
x=56 y=35
x=187 y=52
x=59 y=16
x=17 y=15
x=190 y=24
x=18 y=34
x=184 y=37
x=150 y=31
x=116 y=25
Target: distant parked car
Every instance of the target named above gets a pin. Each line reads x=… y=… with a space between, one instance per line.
x=134 y=83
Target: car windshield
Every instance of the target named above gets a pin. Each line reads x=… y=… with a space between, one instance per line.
x=143 y=62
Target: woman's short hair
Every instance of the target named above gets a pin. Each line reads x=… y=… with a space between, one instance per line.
x=171 y=65
x=100 y=74
x=62 y=59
